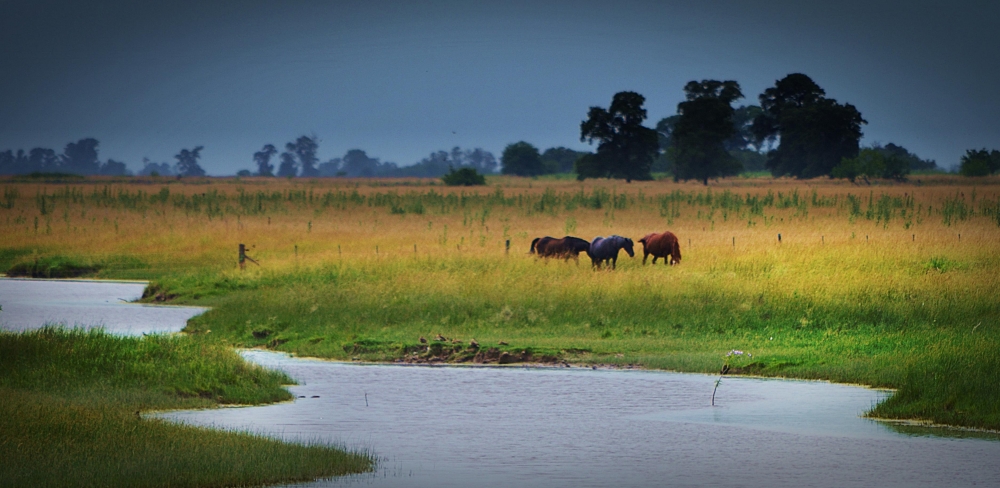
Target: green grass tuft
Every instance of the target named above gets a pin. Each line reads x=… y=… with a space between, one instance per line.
x=70 y=403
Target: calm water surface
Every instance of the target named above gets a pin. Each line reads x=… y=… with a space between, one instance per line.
x=31 y=304
x=454 y=426
x=457 y=426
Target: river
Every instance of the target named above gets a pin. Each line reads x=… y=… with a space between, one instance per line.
x=458 y=426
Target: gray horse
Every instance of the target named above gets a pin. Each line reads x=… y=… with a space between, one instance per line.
x=605 y=249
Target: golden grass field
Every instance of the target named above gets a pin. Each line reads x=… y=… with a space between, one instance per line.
x=92 y=218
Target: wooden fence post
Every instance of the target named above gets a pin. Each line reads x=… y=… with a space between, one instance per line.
x=244 y=257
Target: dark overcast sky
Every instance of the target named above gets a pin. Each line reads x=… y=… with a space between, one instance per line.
x=401 y=79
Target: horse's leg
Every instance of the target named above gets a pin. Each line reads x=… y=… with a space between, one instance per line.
x=654 y=259
x=646 y=255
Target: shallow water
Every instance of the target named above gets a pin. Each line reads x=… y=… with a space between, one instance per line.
x=456 y=426
x=32 y=304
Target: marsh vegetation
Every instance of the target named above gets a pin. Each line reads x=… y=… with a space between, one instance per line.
x=889 y=285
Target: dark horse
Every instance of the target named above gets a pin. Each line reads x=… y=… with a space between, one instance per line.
x=567 y=247
x=605 y=249
x=661 y=246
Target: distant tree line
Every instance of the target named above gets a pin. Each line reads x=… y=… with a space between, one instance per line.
x=796 y=131
x=299 y=160
x=78 y=157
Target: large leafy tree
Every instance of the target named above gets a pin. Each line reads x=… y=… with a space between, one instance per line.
x=44 y=160
x=305 y=148
x=187 y=162
x=357 y=163
x=263 y=160
x=742 y=145
x=80 y=157
x=705 y=125
x=814 y=133
x=626 y=148
x=522 y=159
x=287 y=168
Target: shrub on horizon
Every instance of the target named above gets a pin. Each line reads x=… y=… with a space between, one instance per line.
x=463 y=177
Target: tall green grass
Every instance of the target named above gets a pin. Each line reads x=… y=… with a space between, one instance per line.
x=70 y=405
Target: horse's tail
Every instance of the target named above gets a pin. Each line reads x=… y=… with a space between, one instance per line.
x=532 y=250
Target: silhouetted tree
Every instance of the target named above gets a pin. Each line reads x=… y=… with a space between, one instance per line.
x=357 y=163
x=305 y=149
x=705 y=125
x=150 y=168
x=626 y=148
x=263 y=160
x=479 y=160
x=287 y=167
x=435 y=164
x=331 y=168
x=114 y=168
x=560 y=159
x=81 y=157
x=7 y=162
x=439 y=163
x=44 y=160
x=187 y=162
x=522 y=159
x=814 y=132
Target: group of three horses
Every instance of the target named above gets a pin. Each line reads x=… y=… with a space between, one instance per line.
x=604 y=250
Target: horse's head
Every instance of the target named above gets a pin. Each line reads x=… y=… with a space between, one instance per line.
x=628 y=247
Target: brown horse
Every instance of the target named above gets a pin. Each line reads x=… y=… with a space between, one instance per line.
x=661 y=246
x=567 y=247
x=539 y=244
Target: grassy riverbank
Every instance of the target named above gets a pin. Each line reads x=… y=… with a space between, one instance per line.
x=70 y=404
x=934 y=343
x=887 y=285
